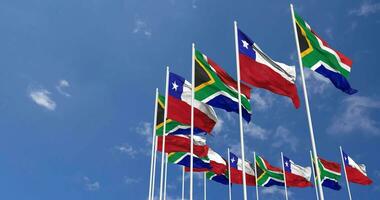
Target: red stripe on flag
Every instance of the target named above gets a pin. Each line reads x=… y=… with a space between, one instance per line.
x=181 y=144
x=293 y=180
x=237 y=177
x=262 y=76
x=355 y=176
x=181 y=111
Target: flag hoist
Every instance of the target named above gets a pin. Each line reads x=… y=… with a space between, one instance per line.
x=240 y=109
x=313 y=145
x=192 y=118
x=164 y=134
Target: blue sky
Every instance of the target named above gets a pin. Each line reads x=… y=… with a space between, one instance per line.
x=77 y=88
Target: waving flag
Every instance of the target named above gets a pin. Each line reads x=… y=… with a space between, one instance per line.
x=172 y=127
x=296 y=175
x=216 y=88
x=259 y=70
x=183 y=158
x=179 y=105
x=356 y=173
x=317 y=55
x=330 y=174
x=267 y=175
x=219 y=178
x=181 y=143
x=217 y=163
x=237 y=171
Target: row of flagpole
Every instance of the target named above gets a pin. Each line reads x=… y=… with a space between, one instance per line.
x=163 y=177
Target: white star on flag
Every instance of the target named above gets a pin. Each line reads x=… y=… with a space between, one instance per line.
x=286 y=164
x=245 y=44
x=175 y=86
x=232 y=160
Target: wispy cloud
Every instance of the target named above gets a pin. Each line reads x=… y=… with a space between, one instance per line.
x=283 y=137
x=91 y=185
x=145 y=129
x=356 y=115
x=329 y=33
x=130 y=180
x=62 y=85
x=142 y=27
x=194 y=4
x=262 y=100
x=275 y=191
x=316 y=83
x=127 y=149
x=366 y=8
x=42 y=98
x=256 y=131
x=218 y=126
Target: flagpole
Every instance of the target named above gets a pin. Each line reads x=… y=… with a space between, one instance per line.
x=345 y=173
x=154 y=167
x=307 y=104
x=240 y=109
x=192 y=119
x=204 y=186
x=315 y=181
x=229 y=174
x=183 y=183
x=153 y=147
x=164 y=133
x=283 y=170
x=257 y=185
x=166 y=174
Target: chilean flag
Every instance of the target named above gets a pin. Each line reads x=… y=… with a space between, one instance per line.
x=356 y=173
x=237 y=171
x=181 y=143
x=259 y=70
x=179 y=105
x=296 y=175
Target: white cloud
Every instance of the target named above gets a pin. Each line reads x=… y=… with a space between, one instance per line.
x=41 y=97
x=356 y=115
x=275 y=191
x=366 y=8
x=329 y=32
x=127 y=149
x=91 y=185
x=194 y=4
x=129 y=180
x=145 y=129
x=142 y=27
x=316 y=83
x=262 y=100
x=218 y=126
x=283 y=137
x=256 y=131
x=62 y=84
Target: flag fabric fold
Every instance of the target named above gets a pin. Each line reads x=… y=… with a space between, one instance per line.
x=267 y=175
x=318 y=56
x=183 y=158
x=172 y=127
x=217 y=88
x=181 y=143
x=179 y=105
x=236 y=165
x=296 y=175
x=356 y=173
x=259 y=70
x=330 y=174
x=219 y=178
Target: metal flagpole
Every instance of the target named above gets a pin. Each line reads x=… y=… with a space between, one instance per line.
x=164 y=133
x=166 y=175
x=153 y=147
x=240 y=109
x=154 y=167
x=315 y=181
x=183 y=183
x=192 y=119
x=345 y=172
x=204 y=186
x=229 y=175
x=283 y=170
x=257 y=185
x=307 y=104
